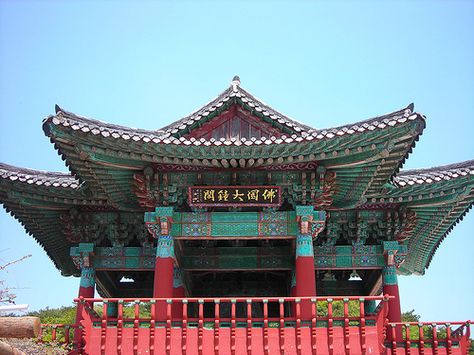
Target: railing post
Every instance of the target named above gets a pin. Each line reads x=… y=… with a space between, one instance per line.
x=265 y=326
x=362 y=327
x=421 y=339
x=449 y=342
x=298 y=325
x=232 y=326
x=119 y=325
x=152 y=327
x=249 y=326
x=103 y=323
x=136 y=324
x=346 y=325
x=314 y=322
x=407 y=339
x=169 y=317
x=200 y=324
x=281 y=329
x=330 y=327
x=434 y=332
x=216 y=325
x=184 y=327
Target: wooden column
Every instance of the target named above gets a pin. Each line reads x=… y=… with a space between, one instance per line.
x=86 y=285
x=305 y=285
x=178 y=292
x=159 y=224
x=393 y=257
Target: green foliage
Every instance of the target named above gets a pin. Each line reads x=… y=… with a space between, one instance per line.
x=338 y=309
x=410 y=316
x=62 y=315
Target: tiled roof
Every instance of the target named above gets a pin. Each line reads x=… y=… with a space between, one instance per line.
x=432 y=175
x=234 y=92
x=38 y=177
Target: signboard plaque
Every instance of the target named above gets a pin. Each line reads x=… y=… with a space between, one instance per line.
x=234 y=196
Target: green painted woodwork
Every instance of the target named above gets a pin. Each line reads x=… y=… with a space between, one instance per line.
x=234 y=224
x=370 y=306
x=304 y=211
x=357 y=159
x=389 y=275
x=165 y=247
x=85 y=248
x=304 y=245
x=348 y=257
x=158 y=214
x=177 y=277
x=250 y=260
x=87 y=277
x=121 y=258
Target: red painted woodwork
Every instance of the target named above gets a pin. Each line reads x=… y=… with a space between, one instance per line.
x=305 y=283
x=394 y=311
x=236 y=123
x=163 y=278
x=163 y=283
x=394 y=308
x=177 y=309
x=196 y=334
x=84 y=292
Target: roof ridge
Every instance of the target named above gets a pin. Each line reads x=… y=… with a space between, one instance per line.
x=407 y=111
x=87 y=120
x=38 y=177
x=29 y=171
x=441 y=168
x=434 y=174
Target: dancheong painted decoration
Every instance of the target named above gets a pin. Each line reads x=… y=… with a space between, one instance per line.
x=238 y=230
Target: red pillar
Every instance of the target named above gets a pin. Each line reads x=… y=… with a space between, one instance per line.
x=394 y=309
x=304 y=265
x=86 y=290
x=304 y=273
x=390 y=285
x=178 y=292
x=163 y=279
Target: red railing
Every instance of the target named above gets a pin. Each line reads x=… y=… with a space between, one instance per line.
x=57 y=333
x=430 y=335
x=332 y=325
x=213 y=314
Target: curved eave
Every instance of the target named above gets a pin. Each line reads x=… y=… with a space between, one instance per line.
x=45 y=229
x=37 y=199
x=37 y=177
x=440 y=197
x=365 y=158
x=66 y=121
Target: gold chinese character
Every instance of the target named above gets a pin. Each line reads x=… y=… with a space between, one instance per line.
x=222 y=195
x=238 y=196
x=253 y=195
x=208 y=195
x=269 y=194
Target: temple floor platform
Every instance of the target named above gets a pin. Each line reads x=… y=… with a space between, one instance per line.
x=287 y=325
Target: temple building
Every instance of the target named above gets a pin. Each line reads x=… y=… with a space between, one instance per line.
x=237 y=230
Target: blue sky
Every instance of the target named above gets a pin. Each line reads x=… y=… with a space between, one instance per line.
x=322 y=63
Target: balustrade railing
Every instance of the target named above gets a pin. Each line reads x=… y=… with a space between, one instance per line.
x=430 y=335
x=57 y=333
x=339 y=319
x=236 y=312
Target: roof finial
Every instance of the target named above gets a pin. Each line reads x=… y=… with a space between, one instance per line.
x=235 y=82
